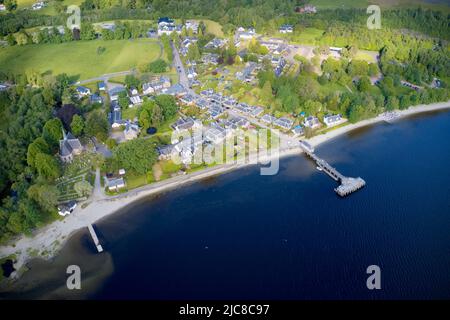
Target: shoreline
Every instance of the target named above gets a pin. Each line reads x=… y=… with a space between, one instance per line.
x=51 y=238
x=422 y=108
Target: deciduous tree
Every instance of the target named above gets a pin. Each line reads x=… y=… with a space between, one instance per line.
x=97 y=125
x=77 y=125
x=52 y=132
x=136 y=156
x=47 y=166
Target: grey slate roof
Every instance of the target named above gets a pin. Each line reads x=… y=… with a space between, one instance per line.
x=68 y=145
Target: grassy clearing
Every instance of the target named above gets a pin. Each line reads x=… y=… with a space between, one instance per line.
x=311 y=34
x=368 y=56
x=165 y=127
x=136 y=181
x=168 y=170
x=306 y=36
x=214 y=27
x=130 y=113
x=25 y=3
x=79 y=58
x=328 y=129
x=168 y=166
x=332 y=87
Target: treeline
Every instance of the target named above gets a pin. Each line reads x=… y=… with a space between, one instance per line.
x=126 y=30
x=14 y=22
x=433 y=23
x=28 y=139
x=415 y=62
x=89 y=15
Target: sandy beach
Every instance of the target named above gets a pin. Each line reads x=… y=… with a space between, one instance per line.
x=315 y=141
x=46 y=242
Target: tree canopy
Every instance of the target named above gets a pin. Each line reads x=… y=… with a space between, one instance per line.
x=135 y=156
x=97 y=125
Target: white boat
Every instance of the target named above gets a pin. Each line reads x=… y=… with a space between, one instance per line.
x=319 y=168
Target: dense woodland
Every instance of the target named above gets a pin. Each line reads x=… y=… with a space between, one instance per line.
x=28 y=138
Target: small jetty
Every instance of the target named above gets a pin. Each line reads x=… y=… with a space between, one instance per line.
x=347 y=185
x=94 y=237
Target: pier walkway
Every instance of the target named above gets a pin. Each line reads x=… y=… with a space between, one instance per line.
x=94 y=237
x=347 y=184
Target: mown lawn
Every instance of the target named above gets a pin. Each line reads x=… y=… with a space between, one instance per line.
x=79 y=58
x=130 y=113
x=136 y=181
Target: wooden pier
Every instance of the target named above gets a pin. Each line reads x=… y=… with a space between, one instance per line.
x=347 y=185
x=94 y=237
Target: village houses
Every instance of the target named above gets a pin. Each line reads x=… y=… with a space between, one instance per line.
x=167 y=26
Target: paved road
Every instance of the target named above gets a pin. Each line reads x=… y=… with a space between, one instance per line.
x=98 y=193
x=178 y=64
x=105 y=77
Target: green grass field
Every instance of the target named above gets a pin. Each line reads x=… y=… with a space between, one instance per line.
x=80 y=58
x=25 y=3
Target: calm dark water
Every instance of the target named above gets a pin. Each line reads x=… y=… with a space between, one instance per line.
x=289 y=236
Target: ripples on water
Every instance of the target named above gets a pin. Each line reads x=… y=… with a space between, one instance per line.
x=289 y=236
